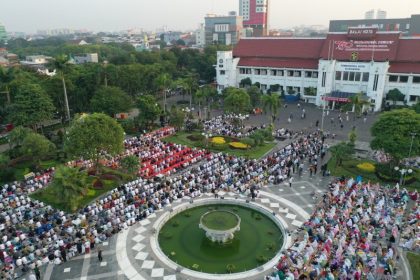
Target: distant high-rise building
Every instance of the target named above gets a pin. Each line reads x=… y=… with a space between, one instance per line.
x=255 y=15
x=381 y=14
x=3 y=33
x=370 y=14
x=223 y=30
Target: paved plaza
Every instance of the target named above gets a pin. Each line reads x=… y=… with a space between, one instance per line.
x=132 y=255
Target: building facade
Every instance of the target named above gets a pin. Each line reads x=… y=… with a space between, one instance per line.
x=327 y=71
x=408 y=26
x=255 y=15
x=86 y=58
x=223 y=30
x=200 y=36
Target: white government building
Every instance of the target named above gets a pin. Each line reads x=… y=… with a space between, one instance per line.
x=327 y=71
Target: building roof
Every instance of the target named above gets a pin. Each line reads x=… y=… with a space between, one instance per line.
x=402 y=53
x=279 y=48
x=279 y=63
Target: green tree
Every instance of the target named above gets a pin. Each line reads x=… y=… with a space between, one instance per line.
x=352 y=136
x=17 y=135
x=163 y=82
x=31 y=106
x=149 y=109
x=60 y=63
x=340 y=152
x=246 y=83
x=37 y=146
x=255 y=95
x=395 y=95
x=237 y=101
x=93 y=136
x=416 y=107
x=70 y=185
x=271 y=103
x=392 y=133
x=131 y=164
x=357 y=104
x=176 y=118
x=110 y=100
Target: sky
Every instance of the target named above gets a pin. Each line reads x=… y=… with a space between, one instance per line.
x=115 y=15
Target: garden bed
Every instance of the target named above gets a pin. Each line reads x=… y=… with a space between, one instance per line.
x=186 y=138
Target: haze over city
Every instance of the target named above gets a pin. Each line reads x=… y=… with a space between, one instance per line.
x=111 y=15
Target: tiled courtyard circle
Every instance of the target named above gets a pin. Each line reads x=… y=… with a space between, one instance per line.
x=140 y=257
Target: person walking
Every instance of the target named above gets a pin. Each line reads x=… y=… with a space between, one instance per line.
x=100 y=254
x=290 y=181
x=37 y=272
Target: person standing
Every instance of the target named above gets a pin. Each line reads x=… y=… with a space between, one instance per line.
x=100 y=254
x=290 y=181
x=37 y=272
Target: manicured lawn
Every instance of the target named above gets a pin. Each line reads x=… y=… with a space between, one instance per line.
x=49 y=196
x=349 y=169
x=253 y=152
x=414 y=260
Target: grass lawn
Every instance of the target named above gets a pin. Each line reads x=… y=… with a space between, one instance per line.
x=253 y=152
x=414 y=260
x=349 y=169
x=49 y=196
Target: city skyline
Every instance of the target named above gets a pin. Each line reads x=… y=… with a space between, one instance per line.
x=110 y=15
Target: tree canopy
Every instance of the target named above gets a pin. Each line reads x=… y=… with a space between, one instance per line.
x=110 y=100
x=36 y=146
x=237 y=101
x=392 y=132
x=395 y=95
x=149 y=109
x=31 y=106
x=90 y=136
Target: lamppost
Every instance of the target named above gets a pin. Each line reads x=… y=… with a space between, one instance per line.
x=413 y=135
x=403 y=172
x=207 y=135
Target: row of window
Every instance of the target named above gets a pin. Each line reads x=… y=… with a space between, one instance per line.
x=351 y=76
x=279 y=73
x=403 y=79
x=339 y=75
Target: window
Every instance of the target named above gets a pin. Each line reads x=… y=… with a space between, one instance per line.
x=324 y=77
x=314 y=74
x=413 y=98
x=403 y=79
x=416 y=80
x=273 y=72
x=263 y=71
x=357 y=76
x=375 y=82
x=351 y=76
x=393 y=78
x=308 y=74
x=280 y=73
x=222 y=72
x=242 y=70
x=365 y=77
x=407 y=26
x=248 y=71
x=297 y=74
x=338 y=75
x=257 y=71
x=263 y=87
x=289 y=73
x=346 y=76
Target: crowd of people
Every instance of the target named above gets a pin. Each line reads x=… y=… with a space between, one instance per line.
x=34 y=234
x=352 y=234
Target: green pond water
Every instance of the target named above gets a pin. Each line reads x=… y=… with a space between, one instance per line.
x=185 y=243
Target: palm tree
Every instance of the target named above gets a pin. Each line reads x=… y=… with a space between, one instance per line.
x=70 y=185
x=60 y=63
x=356 y=104
x=199 y=96
x=271 y=103
x=163 y=82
